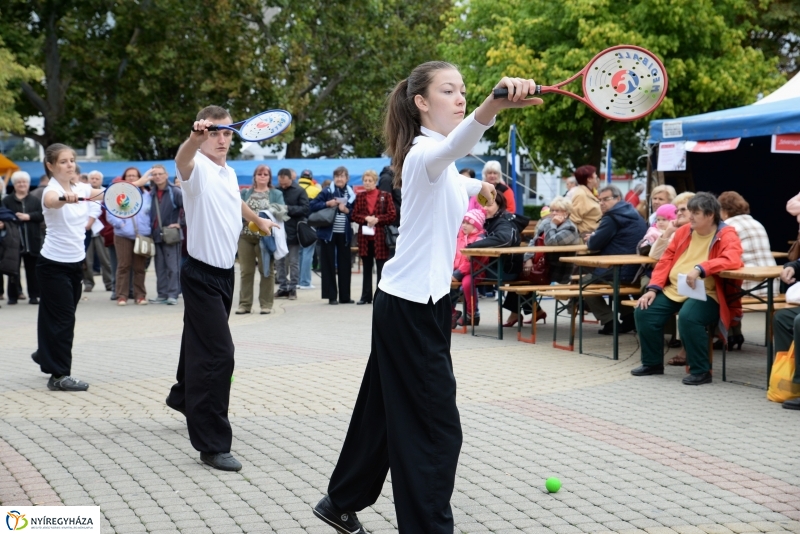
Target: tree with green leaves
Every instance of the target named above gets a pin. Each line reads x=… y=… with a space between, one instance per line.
x=704 y=45
x=332 y=64
x=12 y=74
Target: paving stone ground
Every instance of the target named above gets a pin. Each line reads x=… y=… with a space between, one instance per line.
x=634 y=454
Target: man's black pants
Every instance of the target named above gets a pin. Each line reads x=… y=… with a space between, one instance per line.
x=405 y=419
x=205 y=368
x=787 y=330
x=60 y=285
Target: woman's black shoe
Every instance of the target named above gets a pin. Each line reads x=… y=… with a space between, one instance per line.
x=333 y=302
x=734 y=343
x=346 y=301
x=362 y=302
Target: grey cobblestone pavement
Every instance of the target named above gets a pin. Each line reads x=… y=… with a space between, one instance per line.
x=634 y=454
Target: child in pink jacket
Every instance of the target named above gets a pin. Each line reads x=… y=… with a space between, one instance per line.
x=471 y=231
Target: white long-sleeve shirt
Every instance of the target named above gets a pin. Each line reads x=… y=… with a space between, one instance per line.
x=435 y=199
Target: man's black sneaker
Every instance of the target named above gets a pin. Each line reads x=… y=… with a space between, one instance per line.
x=343 y=522
x=792 y=404
x=646 y=370
x=66 y=383
x=221 y=460
x=696 y=380
x=281 y=294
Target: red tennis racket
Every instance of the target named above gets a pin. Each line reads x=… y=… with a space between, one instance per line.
x=621 y=83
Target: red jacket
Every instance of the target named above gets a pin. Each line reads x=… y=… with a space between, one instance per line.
x=385 y=212
x=725 y=254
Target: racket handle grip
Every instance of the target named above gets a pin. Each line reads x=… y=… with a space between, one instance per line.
x=64 y=198
x=210 y=129
x=503 y=92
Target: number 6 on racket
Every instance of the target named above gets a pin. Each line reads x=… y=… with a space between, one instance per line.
x=263 y=126
x=621 y=83
x=122 y=200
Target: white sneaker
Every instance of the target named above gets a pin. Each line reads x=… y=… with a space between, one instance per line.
x=312 y=286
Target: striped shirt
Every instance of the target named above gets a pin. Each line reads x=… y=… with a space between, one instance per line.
x=755 y=248
x=339 y=223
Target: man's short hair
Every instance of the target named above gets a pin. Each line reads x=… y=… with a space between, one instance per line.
x=338 y=171
x=213 y=113
x=572 y=180
x=613 y=189
x=96 y=173
x=285 y=172
x=160 y=166
x=466 y=171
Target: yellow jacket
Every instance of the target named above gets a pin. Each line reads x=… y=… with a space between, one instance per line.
x=311 y=190
x=585 y=210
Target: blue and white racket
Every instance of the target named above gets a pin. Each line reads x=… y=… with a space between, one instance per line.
x=263 y=126
x=121 y=199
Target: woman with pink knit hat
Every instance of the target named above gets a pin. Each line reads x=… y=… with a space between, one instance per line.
x=471 y=231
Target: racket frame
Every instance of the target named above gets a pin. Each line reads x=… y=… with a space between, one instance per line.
x=544 y=89
x=238 y=126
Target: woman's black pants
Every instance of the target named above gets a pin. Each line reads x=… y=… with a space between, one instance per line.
x=61 y=285
x=367 y=262
x=335 y=256
x=205 y=367
x=405 y=419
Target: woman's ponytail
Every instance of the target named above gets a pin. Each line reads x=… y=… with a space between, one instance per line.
x=402 y=123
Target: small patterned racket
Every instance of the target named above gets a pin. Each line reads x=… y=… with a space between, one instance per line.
x=121 y=199
x=263 y=126
x=621 y=83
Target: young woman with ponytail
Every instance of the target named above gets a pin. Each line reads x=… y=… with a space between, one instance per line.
x=59 y=269
x=405 y=418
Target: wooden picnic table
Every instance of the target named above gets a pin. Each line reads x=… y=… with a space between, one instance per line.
x=613 y=262
x=764 y=276
x=496 y=260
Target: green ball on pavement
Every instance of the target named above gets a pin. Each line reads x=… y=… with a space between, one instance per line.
x=552 y=484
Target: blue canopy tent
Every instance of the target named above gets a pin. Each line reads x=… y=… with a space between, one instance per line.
x=765 y=179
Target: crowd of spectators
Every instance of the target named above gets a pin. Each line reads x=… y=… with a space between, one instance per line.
x=698 y=235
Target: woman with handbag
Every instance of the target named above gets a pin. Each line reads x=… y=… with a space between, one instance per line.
x=543 y=269
x=373 y=210
x=126 y=233
x=262 y=196
x=167 y=204
x=29 y=213
x=335 y=239
x=59 y=269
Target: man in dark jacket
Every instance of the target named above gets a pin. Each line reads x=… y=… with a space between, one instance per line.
x=167 y=200
x=620 y=230
x=787 y=329
x=288 y=267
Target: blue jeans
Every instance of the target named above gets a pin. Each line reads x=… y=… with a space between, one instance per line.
x=306 y=257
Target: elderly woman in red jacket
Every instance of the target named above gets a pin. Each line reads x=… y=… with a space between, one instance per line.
x=373 y=210
x=700 y=250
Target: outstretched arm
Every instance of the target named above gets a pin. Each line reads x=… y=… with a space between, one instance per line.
x=184 y=159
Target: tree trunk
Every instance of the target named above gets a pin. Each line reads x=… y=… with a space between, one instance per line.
x=596 y=149
x=294 y=150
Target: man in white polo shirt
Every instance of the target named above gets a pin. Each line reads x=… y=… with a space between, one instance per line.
x=214 y=212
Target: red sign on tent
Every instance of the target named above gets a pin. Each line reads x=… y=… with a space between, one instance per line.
x=786 y=143
x=713 y=146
